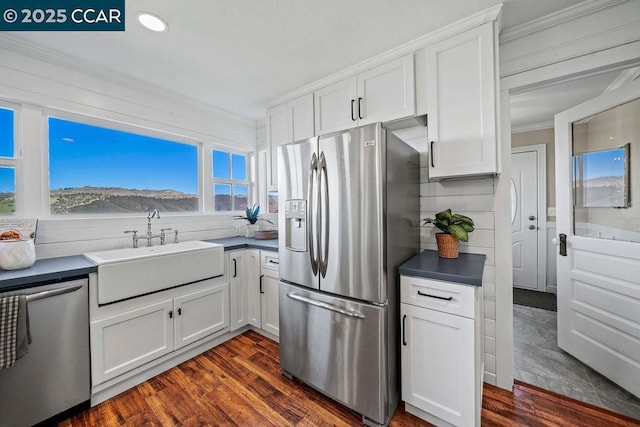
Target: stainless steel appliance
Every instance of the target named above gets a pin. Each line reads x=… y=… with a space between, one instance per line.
x=349 y=203
x=54 y=376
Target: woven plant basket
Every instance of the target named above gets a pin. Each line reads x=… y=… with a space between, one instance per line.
x=447 y=245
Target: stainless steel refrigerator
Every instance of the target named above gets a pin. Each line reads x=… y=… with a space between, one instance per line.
x=348 y=207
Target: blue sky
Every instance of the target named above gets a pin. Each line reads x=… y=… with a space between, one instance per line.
x=603 y=163
x=7 y=175
x=84 y=155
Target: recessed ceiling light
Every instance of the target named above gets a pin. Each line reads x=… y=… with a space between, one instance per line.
x=152 y=22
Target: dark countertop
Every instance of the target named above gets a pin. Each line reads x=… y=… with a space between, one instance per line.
x=247 y=242
x=46 y=271
x=467 y=269
x=50 y=270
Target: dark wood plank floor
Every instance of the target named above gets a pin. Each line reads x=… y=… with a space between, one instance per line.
x=239 y=383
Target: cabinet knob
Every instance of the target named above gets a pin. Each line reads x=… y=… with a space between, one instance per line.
x=532 y=227
x=531 y=217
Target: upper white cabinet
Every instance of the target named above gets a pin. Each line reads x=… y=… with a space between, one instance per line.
x=384 y=93
x=287 y=123
x=461 y=104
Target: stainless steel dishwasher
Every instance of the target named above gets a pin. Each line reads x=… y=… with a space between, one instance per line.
x=54 y=376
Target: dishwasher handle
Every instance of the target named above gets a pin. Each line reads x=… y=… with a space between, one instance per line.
x=52 y=293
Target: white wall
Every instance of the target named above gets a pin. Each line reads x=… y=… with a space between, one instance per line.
x=37 y=83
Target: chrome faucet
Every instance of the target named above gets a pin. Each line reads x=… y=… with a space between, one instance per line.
x=153 y=214
x=150 y=236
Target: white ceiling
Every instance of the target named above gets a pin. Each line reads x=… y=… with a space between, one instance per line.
x=239 y=55
x=538 y=106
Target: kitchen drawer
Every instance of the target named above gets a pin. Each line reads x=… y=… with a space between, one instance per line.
x=269 y=263
x=446 y=297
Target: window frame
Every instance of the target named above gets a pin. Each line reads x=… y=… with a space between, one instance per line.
x=230 y=181
x=15 y=162
x=117 y=126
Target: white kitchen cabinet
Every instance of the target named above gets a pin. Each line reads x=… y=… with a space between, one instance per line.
x=152 y=326
x=289 y=122
x=200 y=314
x=270 y=313
x=461 y=104
x=441 y=351
x=381 y=94
x=243 y=270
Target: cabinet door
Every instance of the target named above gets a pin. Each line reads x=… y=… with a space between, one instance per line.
x=238 y=289
x=387 y=92
x=461 y=104
x=301 y=118
x=277 y=134
x=201 y=313
x=270 y=311
x=253 y=282
x=125 y=341
x=335 y=106
x=437 y=352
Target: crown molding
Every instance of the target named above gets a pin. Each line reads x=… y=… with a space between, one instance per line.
x=69 y=62
x=533 y=127
x=488 y=15
x=625 y=77
x=556 y=18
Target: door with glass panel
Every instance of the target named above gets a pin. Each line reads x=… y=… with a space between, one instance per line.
x=598 y=223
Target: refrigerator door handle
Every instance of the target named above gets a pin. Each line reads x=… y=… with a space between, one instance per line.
x=313 y=172
x=323 y=244
x=327 y=306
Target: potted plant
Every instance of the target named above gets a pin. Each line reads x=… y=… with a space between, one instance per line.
x=454 y=227
x=252 y=216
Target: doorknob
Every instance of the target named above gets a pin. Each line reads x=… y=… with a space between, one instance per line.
x=531 y=217
x=532 y=227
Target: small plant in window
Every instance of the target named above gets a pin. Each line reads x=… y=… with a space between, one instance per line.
x=252 y=215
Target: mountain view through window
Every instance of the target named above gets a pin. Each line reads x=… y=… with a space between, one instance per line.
x=96 y=170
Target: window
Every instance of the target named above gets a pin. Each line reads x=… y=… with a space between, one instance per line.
x=7 y=162
x=97 y=170
x=230 y=181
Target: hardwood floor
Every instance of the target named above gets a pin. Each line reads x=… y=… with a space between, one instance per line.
x=239 y=383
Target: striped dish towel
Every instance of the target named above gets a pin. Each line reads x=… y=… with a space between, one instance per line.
x=14 y=329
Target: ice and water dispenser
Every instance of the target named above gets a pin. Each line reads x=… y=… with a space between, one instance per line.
x=295 y=214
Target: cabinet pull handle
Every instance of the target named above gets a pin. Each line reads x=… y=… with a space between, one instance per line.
x=360 y=109
x=235 y=268
x=404 y=339
x=435 y=296
x=261 y=276
x=180 y=311
x=273 y=262
x=431 y=154
x=352 y=118
x=170 y=314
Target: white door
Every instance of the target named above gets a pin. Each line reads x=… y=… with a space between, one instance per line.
x=524 y=219
x=599 y=266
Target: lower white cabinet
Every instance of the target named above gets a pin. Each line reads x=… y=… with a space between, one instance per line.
x=243 y=271
x=200 y=314
x=253 y=289
x=265 y=313
x=441 y=351
x=149 y=327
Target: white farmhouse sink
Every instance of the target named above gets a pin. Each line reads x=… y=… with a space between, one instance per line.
x=127 y=273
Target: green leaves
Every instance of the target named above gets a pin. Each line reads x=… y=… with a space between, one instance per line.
x=459 y=226
x=251 y=215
